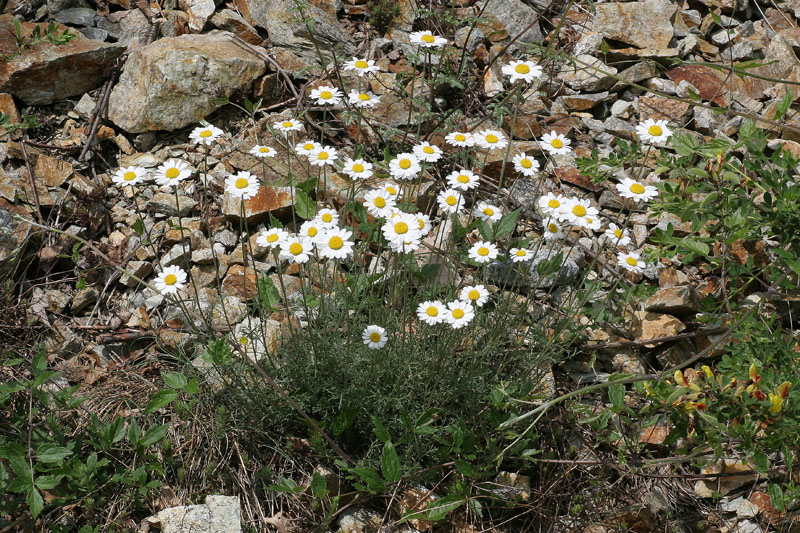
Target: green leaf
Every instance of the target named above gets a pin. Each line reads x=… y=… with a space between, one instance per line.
x=375 y=484
x=506 y=224
x=52 y=453
x=154 y=435
x=160 y=399
x=684 y=143
x=174 y=380
x=138 y=226
x=39 y=362
x=695 y=246
x=784 y=104
x=49 y=482
x=305 y=206
x=268 y=293
x=464 y=468
x=485 y=230
x=193 y=387
x=35 y=502
x=380 y=431
x=444 y=506
x=390 y=463
x=134 y=432
x=616 y=395
x=286 y=485
x=776 y=495
x=319 y=485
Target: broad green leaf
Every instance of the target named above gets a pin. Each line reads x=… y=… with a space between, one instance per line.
x=154 y=435
x=695 y=246
x=193 y=387
x=160 y=399
x=380 y=430
x=684 y=144
x=48 y=482
x=442 y=507
x=286 y=485
x=784 y=104
x=318 y=485
x=35 y=502
x=52 y=453
x=305 y=206
x=506 y=224
x=174 y=380
x=616 y=395
x=390 y=463
x=268 y=293
x=370 y=476
x=464 y=468
x=776 y=495
x=134 y=432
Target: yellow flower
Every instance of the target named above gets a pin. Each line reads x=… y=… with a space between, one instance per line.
x=707 y=371
x=778 y=397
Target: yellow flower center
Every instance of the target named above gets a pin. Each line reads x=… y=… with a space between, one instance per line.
x=322 y=155
x=336 y=243
x=404 y=164
x=391 y=190
x=428 y=39
x=358 y=167
x=361 y=64
x=401 y=227
x=242 y=183
x=618 y=233
x=488 y=211
x=526 y=163
x=655 y=131
x=491 y=138
x=579 y=211
x=522 y=69
x=272 y=238
x=296 y=248
x=312 y=231
x=171 y=279
x=327 y=217
x=552 y=228
x=421 y=223
x=427 y=149
x=458 y=313
x=553 y=204
x=308 y=146
x=557 y=143
x=474 y=294
x=326 y=95
x=129 y=176
x=287 y=124
x=364 y=97
x=379 y=202
x=483 y=251
x=451 y=200
x=375 y=336
x=172 y=173
x=432 y=311
x=243 y=341
x=521 y=253
x=463 y=178
x=461 y=138
x=632 y=261
x=637 y=188
x=205 y=133
x=264 y=150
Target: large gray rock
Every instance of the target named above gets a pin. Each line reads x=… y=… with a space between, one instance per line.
x=45 y=72
x=503 y=19
x=287 y=28
x=220 y=514
x=13 y=237
x=640 y=24
x=172 y=82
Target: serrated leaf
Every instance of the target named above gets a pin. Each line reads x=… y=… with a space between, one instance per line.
x=52 y=453
x=174 y=380
x=154 y=435
x=390 y=463
x=160 y=399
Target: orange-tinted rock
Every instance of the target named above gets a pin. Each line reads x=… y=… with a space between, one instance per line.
x=709 y=82
x=241 y=282
x=275 y=200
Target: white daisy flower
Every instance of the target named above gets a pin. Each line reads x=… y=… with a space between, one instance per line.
x=404 y=167
x=262 y=151
x=327 y=217
x=290 y=124
x=617 y=236
x=362 y=67
x=552 y=229
x=426 y=39
x=483 y=252
x=310 y=229
x=487 y=212
x=432 y=312
x=555 y=143
x=206 y=135
x=392 y=189
x=631 y=261
x=374 y=337
x=527 y=166
x=522 y=70
x=172 y=172
x=477 y=295
x=450 y=201
x=357 y=169
x=320 y=157
x=401 y=227
x=272 y=238
x=424 y=222
x=335 y=243
x=171 y=280
x=427 y=152
x=326 y=95
x=129 y=175
x=639 y=192
x=491 y=139
x=307 y=147
x=405 y=246
x=460 y=139
x=653 y=131
x=552 y=204
x=462 y=179
x=242 y=185
x=459 y=314
x=379 y=203
x=296 y=249
x=577 y=211
x=593 y=223
x=518 y=255
x=366 y=99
